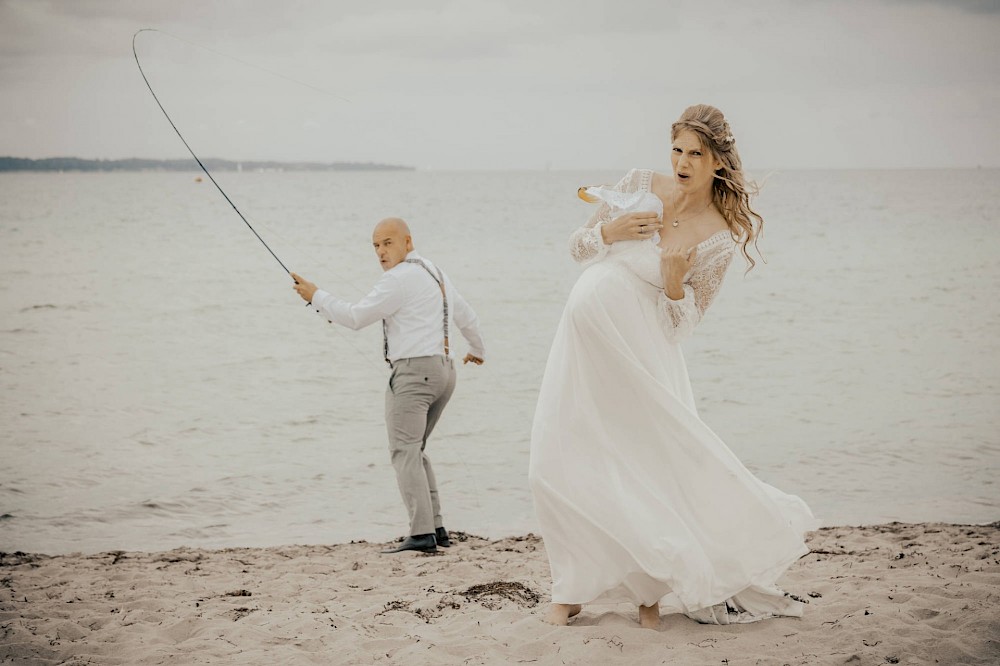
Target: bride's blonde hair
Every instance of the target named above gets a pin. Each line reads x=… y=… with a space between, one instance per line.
x=731 y=192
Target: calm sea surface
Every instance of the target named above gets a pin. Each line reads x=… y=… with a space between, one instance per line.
x=162 y=385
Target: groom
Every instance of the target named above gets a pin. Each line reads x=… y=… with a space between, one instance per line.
x=417 y=305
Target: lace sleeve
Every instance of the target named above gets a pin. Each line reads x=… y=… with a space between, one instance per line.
x=680 y=317
x=586 y=244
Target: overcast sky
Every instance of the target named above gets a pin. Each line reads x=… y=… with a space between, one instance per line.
x=470 y=84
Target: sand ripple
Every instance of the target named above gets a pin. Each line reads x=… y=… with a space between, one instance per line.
x=894 y=593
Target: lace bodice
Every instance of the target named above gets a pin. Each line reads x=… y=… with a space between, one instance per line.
x=642 y=258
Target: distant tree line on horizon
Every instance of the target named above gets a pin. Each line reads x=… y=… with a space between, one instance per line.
x=212 y=164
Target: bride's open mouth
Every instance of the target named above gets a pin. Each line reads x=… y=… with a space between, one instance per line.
x=682 y=177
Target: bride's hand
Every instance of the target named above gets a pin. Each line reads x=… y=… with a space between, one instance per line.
x=675 y=262
x=631 y=226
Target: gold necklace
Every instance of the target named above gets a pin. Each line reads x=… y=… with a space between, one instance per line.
x=678 y=220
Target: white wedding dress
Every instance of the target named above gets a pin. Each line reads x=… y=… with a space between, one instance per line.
x=637 y=499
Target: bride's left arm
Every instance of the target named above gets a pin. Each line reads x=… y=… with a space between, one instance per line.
x=681 y=316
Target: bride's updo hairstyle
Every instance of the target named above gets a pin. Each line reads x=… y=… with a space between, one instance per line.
x=730 y=192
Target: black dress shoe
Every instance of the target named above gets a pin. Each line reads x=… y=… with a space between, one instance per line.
x=424 y=543
x=441 y=535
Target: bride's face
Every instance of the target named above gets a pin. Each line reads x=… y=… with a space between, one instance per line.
x=694 y=165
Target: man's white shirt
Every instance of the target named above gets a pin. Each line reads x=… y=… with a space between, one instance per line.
x=409 y=300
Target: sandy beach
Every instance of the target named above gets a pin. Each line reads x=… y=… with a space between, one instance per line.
x=897 y=593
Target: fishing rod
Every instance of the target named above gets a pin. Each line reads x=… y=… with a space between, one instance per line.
x=223 y=193
x=200 y=164
x=196 y=159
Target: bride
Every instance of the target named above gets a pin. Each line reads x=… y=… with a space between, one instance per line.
x=637 y=499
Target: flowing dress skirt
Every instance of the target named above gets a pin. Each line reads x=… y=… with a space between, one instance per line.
x=637 y=499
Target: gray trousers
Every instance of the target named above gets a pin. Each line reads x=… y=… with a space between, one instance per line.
x=419 y=389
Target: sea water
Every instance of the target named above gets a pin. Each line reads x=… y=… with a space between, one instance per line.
x=162 y=385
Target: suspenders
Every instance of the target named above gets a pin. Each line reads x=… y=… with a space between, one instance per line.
x=439 y=278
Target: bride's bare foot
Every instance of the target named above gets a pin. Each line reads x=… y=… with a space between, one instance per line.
x=559 y=614
x=649 y=616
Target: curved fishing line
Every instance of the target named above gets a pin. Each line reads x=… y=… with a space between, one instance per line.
x=207 y=173
x=244 y=62
x=361 y=291
x=196 y=158
x=248 y=64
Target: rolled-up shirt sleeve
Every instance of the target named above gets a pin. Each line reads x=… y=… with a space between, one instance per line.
x=385 y=298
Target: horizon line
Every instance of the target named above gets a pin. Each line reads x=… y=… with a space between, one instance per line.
x=401 y=167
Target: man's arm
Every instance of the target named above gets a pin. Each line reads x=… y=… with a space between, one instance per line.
x=468 y=323
x=385 y=298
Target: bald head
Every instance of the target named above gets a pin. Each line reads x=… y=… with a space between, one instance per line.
x=392 y=242
x=391 y=225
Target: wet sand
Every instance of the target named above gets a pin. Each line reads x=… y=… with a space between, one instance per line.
x=898 y=593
